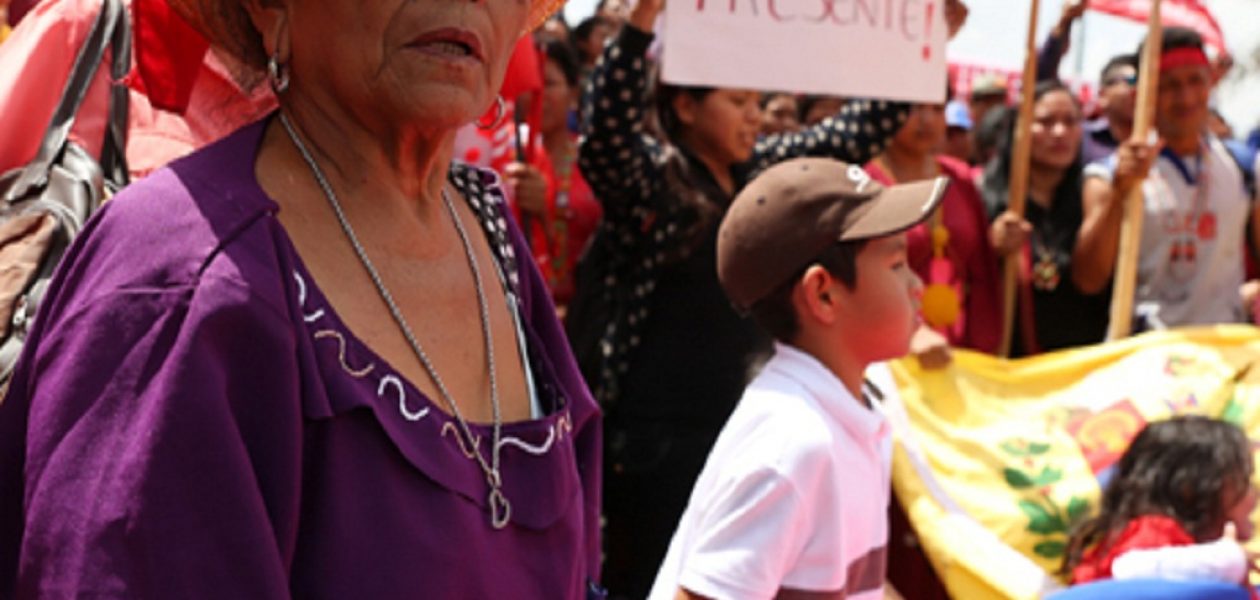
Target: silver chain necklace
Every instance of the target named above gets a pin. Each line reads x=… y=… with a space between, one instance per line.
x=500 y=508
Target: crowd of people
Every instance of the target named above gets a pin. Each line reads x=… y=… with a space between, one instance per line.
x=352 y=329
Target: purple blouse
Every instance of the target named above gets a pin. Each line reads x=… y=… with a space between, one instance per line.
x=191 y=419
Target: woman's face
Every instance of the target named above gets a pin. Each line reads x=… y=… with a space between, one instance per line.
x=557 y=98
x=435 y=64
x=923 y=133
x=1056 y=130
x=779 y=115
x=723 y=125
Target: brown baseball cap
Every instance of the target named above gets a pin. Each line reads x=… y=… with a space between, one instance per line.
x=795 y=209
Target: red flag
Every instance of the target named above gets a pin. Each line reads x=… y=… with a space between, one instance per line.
x=168 y=54
x=523 y=79
x=1183 y=13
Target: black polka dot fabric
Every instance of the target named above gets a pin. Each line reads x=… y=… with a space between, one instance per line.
x=643 y=223
x=481 y=189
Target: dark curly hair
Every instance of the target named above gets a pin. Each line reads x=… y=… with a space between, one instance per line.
x=1180 y=468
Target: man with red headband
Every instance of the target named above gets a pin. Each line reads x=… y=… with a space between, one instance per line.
x=1197 y=209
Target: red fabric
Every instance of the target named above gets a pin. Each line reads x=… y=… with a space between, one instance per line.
x=522 y=85
x=1182 y=57
x=168 y=55
x=18 y=9
x=1185 y=13
x=581 y=218
x=1150 y=531
x=975 y=266
x=35 y=62
x=524 y=71
x=1025 y=311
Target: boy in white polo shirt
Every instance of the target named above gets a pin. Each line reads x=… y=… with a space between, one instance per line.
x=792 y=502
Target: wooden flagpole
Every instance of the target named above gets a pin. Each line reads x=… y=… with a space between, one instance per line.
x=1018 y=188
x=1124 y=286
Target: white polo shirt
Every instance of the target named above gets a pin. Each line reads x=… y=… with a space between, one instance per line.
x=794 y=494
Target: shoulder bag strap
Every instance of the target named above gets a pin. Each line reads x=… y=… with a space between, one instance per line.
x=114 y=150
x=90 y=55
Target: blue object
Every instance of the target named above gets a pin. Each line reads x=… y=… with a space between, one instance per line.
x=958 y=115
x=1152 y=589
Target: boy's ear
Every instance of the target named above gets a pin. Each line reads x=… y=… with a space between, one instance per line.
x=820 y=300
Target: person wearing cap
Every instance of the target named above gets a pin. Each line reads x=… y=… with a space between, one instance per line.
x=988 y=91
x=313 y=359
x=1197 y=209
x=958 y=125
x=793 y=498
x=661 y=347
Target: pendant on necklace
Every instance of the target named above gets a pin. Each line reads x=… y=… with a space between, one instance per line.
x=1045 y=274
x=500 y=509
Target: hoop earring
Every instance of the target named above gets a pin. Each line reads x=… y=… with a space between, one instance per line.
x=500 y=110
x=277 y=75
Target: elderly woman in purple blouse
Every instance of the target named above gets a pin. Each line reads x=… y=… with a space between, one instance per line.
x=313 y=359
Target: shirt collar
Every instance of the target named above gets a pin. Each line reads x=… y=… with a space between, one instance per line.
x=827 y=390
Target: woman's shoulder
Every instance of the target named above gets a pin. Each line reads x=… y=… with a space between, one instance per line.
x=172 y=227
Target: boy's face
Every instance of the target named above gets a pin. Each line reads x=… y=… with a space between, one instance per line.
x=884 y=305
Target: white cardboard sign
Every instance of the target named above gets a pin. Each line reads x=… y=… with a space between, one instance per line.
x=892 y=49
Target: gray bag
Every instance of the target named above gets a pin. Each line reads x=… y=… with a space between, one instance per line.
x=44 y=204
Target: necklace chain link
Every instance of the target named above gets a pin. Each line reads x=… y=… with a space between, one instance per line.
x=500 y=508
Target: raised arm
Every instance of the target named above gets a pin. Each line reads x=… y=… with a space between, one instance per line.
x=1058 y=41
x=616 y=156
x=856 y=134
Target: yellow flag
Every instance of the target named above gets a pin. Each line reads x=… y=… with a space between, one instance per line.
x=997 y=459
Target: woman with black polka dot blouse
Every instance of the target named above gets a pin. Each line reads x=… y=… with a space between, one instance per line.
x=667 y=355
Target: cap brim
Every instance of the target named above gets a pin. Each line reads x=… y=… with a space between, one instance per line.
x=898 y=208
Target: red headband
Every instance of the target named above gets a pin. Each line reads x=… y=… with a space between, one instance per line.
x=1182 y=57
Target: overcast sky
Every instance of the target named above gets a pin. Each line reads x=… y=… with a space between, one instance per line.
x=990 y=38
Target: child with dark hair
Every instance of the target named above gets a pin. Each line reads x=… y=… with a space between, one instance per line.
x=1165 y=512
x=792 y=500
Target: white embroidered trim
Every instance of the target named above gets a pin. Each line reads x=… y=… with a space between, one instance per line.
x=312 y=317
x=523 y=445
x=555 y=433
x=341 y=354
x=391 y=380
x=459 y=439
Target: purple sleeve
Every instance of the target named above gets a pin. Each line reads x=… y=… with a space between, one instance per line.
x=150 y=447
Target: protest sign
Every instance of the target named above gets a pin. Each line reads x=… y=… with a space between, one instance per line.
x=866 y=48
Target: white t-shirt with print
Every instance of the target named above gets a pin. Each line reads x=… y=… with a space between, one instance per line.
x=1191 y=263
x=794 y=493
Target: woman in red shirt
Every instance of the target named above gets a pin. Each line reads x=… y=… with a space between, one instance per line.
x=553 y=202
x=951 y=250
